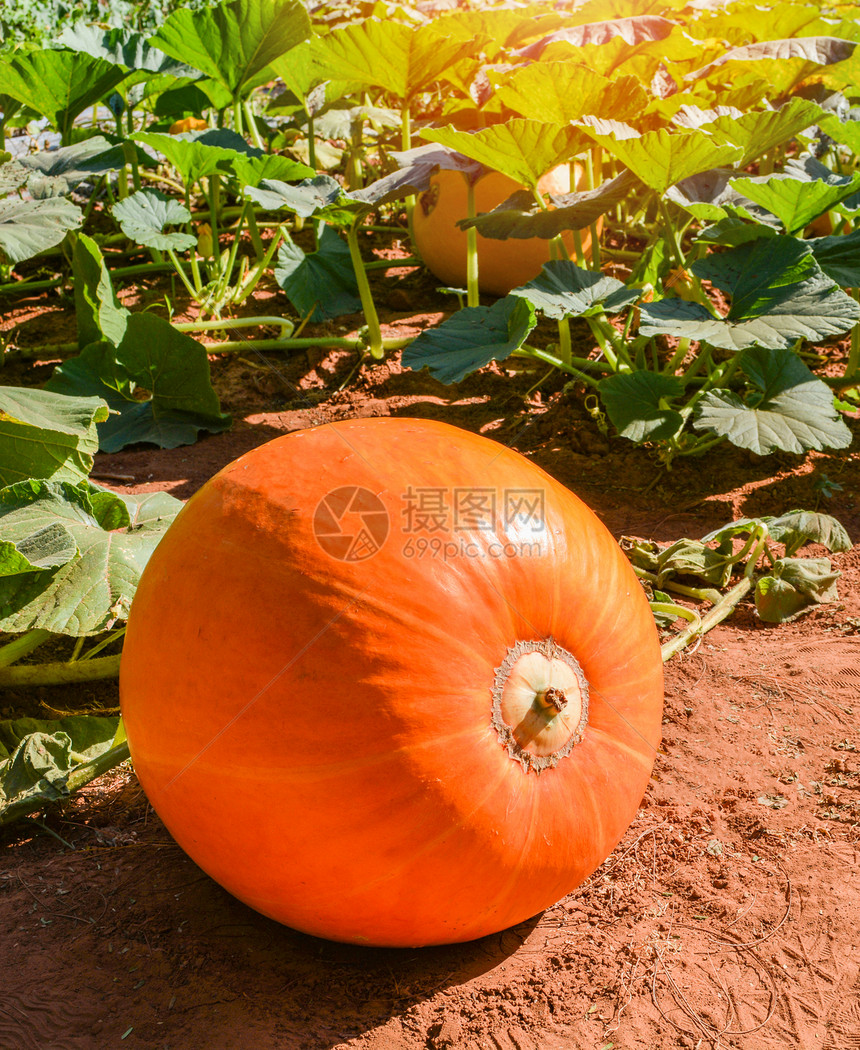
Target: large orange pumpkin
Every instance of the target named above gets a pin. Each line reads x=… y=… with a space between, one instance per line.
x=502 y=265
x=390 y=683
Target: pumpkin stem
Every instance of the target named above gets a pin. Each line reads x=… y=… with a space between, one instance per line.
x=552 y=697
x=540 y=703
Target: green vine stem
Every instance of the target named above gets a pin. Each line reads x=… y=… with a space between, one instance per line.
x=564 y=347
x=287 y=327
x=563 y=366
x=702 y=594
x=375 y=342
x=593 y=176
x=473 y=293
x=672 y=234
x=603 y=341
x=678 y=611
x=701 y=445
x=22 y=646
x=64 y=350
x=724 y=608
x=238 y=114
x=30 y=676
x=251 y=121
x=853 y=364
x=180 y=270
x=677 y=358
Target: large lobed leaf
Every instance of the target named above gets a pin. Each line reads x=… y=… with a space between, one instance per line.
x=797 y=201
x=522 y=149
x=633 y=30
x=234 y=42
x=472 y=338
x=792 y=410
x=47 y=435
x=55 y=173
x=663 y=157
x=155 y=380
x=143 y=216
x=30 y=227
x=779 y=295
x=563 y=289
x=520 y=216
x=387 y=54
x=638 y=404
x=320 y=284
x=559 y=92
x=794 y=586
x=114 y=537
x=59 y=85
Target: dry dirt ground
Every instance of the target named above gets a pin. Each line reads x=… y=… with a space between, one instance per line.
x=727 y=916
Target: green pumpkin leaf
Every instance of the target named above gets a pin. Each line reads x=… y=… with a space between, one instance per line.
x=322 y=196
x=98 y=311
x=758 y=131
x=692 y=558
x=415 y=169
x=234 y=42
x=563 y=289
x=143 y=215
x=742 y=23
x=520 y=215
x=252 y=171
x=633 y=30
x=401 y=59
x=471 y=339
x=663 y=157
x=523 y=149
x=155 y=380
x=197 y=154
x=793 y=587
x=58 y=85
x=792 y=410
x=779 y=295
x=794 y=201
x=122 y=47
x=45 y=760
x=30 y=227
x=636 y=402
x=733 y=231
x=710 y=196
x=46 y=435
x=115 y=535
x=845 y=132
x=812 y=50
x=322 y=281
x=839 y=257
x=740 y=527
x=55 y=173
x=49 y=547
x=800 y=527
x=559 y=92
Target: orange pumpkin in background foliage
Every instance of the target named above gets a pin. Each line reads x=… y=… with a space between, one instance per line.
x=502 y=264
x=389 y=683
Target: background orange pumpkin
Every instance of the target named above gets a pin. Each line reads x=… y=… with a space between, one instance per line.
x=178 y=127
x=502 y=265
x=375 y=746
